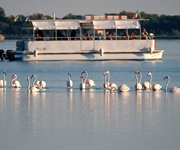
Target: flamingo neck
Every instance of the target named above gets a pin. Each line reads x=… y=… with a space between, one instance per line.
x=4 y=77
x=82 y=80
x=12 y=81
x=136 y=78
x=105 y=81
x=167 y=83
x=140 y=79
x=108 y=79
x=86 y=76
x=69 y=78
x=150 y=82
x=35 y=79
x=28 y=87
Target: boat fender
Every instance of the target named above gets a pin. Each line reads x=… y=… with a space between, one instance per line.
x=1 y=54
x=150 y=50
x=10 y=55
x=35 y=53
x=154 y=44
x=101 y=52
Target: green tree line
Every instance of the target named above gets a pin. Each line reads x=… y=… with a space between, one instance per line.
x=160 y=25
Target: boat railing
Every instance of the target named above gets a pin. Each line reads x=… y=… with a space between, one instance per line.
x=83 y=38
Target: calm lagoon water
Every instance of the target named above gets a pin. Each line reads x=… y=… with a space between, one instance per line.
x=57 y=118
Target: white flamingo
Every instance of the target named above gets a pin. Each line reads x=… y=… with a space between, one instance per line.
x=3 y=81
x=82 y=85
x=155 y=86
x=14 y=82
x=28 y=87
x=35 y=82
x=69 y=82
x=42 y=85
x=123 y=88
x=38 y=84
x=31 y=89
x=145 y=84
x=107 y=84
x=138 y=85
x=173 y=89
x=89 y=82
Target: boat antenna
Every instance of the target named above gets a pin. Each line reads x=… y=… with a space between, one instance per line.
x=54 y=16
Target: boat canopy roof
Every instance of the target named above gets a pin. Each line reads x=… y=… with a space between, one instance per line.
x=117 y=24
x=59 y=25
x=75 y=24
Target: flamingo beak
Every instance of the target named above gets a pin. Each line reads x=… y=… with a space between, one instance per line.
x=32 y=76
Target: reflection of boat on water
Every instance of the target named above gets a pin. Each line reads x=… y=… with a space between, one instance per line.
x=2 y=37
x=66 y=40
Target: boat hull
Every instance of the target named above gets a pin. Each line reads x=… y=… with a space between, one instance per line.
x=96 y=56
x=89 y=50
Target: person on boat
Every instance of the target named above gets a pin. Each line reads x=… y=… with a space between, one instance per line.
x=73 y=35
x=88 y=37
x=125 y=36
x=144 y=34
x=109 y=36
x=99 y=36
x=39 y=36
x=132 y=36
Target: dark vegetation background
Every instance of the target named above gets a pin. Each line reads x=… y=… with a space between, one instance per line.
x=163 y=26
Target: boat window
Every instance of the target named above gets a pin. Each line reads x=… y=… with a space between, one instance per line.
x=110 y=34
x=48 y=34
x=87 y=32
x=122 y=34
x=99 y=34
x=134 y=34
x=74 y=34
x=62 y=35
x=65 y=35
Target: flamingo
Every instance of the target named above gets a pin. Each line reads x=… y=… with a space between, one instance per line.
x=138 y=85
x=14 y=82
x=145 y=84
x=31 y=89
x=173 y=89
x=82 y=85
x=154 y=87
x=107 y=84
x=28 y=87
x=69 y=82
x=89 y=82
x=123 y=88
x=35 y=82
x=38 y=84
x=42 y=84
x=3 y=81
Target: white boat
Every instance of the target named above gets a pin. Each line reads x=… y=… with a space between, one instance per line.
x=66 y=40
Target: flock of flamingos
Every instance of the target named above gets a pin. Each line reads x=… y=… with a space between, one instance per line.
x=39 y=85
